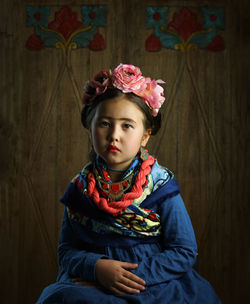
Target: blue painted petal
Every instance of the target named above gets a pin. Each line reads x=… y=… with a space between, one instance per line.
x=218 y=14
x=100 y=15
x=49 y=38
x=203 y=39
x=83 y=39
x=151 y=11
x=43 y=11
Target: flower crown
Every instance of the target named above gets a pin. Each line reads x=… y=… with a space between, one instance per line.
x=127 y=78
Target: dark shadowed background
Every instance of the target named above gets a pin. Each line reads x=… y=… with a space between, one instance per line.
x=204 y=139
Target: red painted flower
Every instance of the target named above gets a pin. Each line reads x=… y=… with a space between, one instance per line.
x=185 y=23
x=34 y=43
x=98 y=43
x=153 y=44
x=65 y=22
x=217 y=44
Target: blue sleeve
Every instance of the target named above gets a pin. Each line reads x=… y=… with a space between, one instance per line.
x=72 y=258
x=179 y=245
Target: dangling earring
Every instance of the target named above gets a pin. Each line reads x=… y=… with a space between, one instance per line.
x=143 y=153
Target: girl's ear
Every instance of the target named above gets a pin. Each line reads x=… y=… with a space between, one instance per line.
x=146 y=137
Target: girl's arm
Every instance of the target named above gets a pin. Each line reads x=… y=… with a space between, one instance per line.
x=72 y=258
x=92 y=267
x=179 y=244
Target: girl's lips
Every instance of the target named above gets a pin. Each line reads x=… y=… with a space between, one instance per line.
x=113 y=149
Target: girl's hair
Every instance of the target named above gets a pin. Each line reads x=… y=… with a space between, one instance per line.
x=150 y=122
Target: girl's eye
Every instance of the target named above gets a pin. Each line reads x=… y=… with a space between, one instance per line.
x=104 y=123
x=127 y=126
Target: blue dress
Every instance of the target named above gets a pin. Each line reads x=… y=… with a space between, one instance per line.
x=165 y=256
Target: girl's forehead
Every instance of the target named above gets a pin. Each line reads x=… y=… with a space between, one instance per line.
x=119 y=108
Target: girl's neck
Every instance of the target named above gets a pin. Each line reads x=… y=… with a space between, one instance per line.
x=115 y=176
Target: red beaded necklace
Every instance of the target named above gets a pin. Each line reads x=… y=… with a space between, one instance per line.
x=116 y=201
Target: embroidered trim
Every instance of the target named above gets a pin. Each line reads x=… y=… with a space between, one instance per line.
x=115 y=191
x=127 y=224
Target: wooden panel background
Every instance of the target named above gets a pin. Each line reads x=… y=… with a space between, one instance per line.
x=204 y=139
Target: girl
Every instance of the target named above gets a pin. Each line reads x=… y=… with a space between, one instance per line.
x=126 y=236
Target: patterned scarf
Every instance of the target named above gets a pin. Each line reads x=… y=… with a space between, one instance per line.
x=121 y=200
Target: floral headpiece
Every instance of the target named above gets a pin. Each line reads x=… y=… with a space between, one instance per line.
x=127 y=78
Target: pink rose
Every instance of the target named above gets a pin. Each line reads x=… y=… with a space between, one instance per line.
x=152 y=95
x=128 y=78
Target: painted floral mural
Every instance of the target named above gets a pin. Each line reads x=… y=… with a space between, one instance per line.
x=184 y=31
x=66 y=30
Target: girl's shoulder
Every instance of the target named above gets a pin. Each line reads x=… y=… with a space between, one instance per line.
x=160 y=175
x=80 y=180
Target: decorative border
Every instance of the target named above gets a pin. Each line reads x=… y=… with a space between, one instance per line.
x=66 y=31
x=184 y=32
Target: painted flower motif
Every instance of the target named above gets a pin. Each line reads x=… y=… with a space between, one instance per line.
x=213 y=18
x=65 y=22
x=185 y=23
x=37 y=16
x=94 y=15
x=34 y=43
x=185 y=32
x=65 y=31
x=128 y=78
x=217 y=44
x=156 y=16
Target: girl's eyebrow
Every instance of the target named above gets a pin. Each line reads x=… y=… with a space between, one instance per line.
x=122 y=118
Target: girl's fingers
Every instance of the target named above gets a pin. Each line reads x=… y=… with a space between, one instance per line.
x=132 y=277
x=124 y=289
x=117 y=277
x=132 y=284
x=127 y=265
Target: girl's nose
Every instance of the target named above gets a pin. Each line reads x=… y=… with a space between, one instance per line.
x=114 y=134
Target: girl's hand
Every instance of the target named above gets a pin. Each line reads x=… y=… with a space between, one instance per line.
x=114 y=276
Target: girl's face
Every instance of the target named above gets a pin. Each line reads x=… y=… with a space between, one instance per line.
x=117 y=132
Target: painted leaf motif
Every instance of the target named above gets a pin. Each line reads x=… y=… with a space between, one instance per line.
x=168 y=40
x=49 y=38
x=203 y=39
x=82 y=39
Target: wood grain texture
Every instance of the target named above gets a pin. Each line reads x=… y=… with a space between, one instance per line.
x=204 y=138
